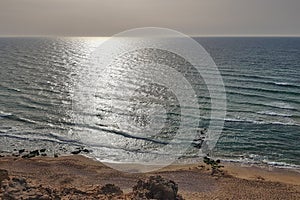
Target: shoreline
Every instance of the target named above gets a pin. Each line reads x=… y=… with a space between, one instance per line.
x=81 y=150
x=194 y=180
x=228 y=163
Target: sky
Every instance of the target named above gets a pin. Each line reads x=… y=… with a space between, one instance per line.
x=105 y=18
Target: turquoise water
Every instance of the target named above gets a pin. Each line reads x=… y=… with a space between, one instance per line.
x=261 y=76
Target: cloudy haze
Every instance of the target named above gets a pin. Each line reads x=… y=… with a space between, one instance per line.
x=108 y=17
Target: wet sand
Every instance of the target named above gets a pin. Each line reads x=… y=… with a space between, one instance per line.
x=194 y=181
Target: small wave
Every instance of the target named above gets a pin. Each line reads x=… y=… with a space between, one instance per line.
x=17 y=118
x=122 y=133
x=276 y=123
x=22 y=119
x=281 y=105
x=283 y=84
x=15 y=89
x=4 y=114
x=268 y=81
x=280 y=164
x=279 y=123
x=234 y=120
x=274 y=114
x=250 y=162
x=237 y=88
x=263 y=96
x=30 y=135
x=247 y=160
x=261 y=122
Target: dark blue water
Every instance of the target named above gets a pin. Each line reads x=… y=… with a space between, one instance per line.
x=261 y=76
x=262 y=82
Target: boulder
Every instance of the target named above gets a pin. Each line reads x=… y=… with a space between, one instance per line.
x=43 y=150
x=35 y=153
x=156 y=187
x=110 y=189
x=21 y=151
x=76 y=152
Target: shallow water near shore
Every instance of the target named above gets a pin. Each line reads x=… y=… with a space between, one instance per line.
x=261 y=77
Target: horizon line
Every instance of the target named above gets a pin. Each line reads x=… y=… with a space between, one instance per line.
x=191 y=35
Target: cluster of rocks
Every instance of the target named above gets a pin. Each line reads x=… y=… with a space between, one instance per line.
x=24 y=153
x=29 y=154
x=18 y=188
x=79 y=150
x=154 y=187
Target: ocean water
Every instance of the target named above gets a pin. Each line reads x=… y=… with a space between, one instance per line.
x=46 y=100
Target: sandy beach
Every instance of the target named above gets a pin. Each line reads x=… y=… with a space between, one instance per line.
x=78 y=177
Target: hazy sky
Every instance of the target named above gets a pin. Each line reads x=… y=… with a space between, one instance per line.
x=108 y=17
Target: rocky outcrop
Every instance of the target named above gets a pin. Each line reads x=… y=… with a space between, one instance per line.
x=110 y=189
x=20 y=188
x=156 y=187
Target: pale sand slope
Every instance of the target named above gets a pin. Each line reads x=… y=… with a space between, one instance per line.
x=193 y=181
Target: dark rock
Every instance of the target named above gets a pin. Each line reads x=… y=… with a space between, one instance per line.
x=30 y=155
x=72 y=191
x=55 y=155
x=3 y=175
x=20 y=180
x=21 y=151
x=43 y=150
x=198 y=142
x=86 y=151
x=35 y=152
x=63 y=149
x=25 y=156
x=76 y=152
x=156 y=187
x=110 y=189
x=43 y=154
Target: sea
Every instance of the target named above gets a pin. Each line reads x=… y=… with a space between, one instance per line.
x=47 y=100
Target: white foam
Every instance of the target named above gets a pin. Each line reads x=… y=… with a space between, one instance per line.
x=282 y=83
x=4 y=114
x=271 y=113
x=280 y=164
x=250 y=161
x=292 y=123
